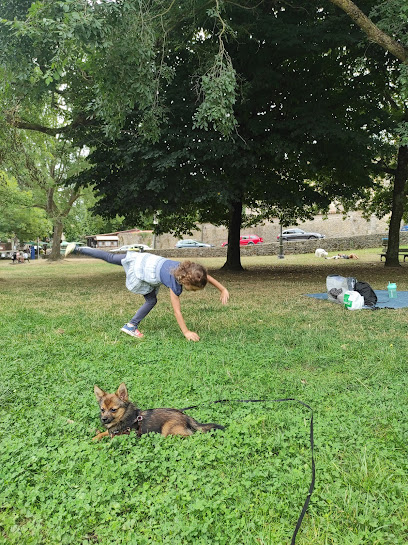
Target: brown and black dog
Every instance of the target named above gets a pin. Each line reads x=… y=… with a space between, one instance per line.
x=121 y=416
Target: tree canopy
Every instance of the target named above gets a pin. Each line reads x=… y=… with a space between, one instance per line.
x=391 y=33
x=293 y=130
x=269 y=106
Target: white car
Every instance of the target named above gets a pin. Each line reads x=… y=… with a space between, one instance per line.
x=131 y=248
x=143 y=247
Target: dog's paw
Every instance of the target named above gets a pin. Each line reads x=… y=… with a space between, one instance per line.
x=99 y=435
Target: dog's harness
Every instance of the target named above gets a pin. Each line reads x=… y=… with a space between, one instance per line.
x=135 y=425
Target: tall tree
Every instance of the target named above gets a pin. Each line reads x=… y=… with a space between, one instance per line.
x=291 y=140
x=43 y=165
x=390 y=33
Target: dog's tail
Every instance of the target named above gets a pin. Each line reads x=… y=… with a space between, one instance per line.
x=205 y=427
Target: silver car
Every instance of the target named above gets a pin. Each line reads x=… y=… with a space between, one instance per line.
x=299 y=234
x=190 y=243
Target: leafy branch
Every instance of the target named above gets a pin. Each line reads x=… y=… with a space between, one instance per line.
x=218 y=87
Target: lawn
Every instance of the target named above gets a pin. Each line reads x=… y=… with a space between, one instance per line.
x=60 y=335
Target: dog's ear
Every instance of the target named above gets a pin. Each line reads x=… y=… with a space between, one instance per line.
x=122 y=392
x=99 y=393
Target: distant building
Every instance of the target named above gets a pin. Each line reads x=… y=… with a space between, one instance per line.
x=5 y=246
x=110 y=241
x=6 y=250
x=102 y=241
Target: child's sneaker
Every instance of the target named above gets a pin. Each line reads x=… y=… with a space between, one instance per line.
x=132 y=331
x=70 y=248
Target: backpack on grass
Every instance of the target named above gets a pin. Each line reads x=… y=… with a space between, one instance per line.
x=364 y=288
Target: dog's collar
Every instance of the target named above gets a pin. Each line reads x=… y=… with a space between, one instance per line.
x=136 y=425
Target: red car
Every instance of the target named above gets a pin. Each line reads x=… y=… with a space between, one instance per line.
x=246 y=240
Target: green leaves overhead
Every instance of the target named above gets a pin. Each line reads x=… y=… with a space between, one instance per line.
x=109 y=58
x=218 y=87
x=299 y=139
x=193 y=108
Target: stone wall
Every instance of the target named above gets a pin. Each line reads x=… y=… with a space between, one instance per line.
x=341 y=244
x=332 y=226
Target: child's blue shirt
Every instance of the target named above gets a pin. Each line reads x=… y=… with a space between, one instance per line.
x=167 y=278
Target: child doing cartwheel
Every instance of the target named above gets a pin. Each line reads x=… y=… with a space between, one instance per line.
x=145 y=273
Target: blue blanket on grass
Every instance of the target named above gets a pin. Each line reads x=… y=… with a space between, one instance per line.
x=401 y=301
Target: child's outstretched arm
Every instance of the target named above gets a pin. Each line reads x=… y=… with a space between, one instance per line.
x=224 y=292
x=175 y=302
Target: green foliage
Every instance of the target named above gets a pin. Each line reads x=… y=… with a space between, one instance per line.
x=391 y=17
x=291 y=141
x=105 y=58
x=43 y=166
x=126 y=71
x=286 y=158
x=81 y=221
x=243 y=485
x=218 y=87
x=18 y=216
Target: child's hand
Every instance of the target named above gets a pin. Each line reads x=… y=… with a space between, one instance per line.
x=191 y=336
x=224 y=296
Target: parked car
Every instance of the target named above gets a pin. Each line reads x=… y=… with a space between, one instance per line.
x=404 y=228
x=120 y=250
x=142 y=247
x=131 y=248
x=299 y=234
x=247 y=240
x=190 y=243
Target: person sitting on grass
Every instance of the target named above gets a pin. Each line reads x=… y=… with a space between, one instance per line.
x=145 y=273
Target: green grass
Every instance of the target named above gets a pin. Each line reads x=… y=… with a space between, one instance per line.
x=60 y=334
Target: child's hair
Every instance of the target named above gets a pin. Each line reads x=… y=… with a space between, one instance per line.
x=192 y=274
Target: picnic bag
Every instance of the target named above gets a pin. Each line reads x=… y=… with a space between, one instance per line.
x=337 y=285
x=364 y=288
x=353 y=300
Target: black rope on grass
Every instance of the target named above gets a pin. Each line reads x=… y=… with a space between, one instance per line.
x=313 y=479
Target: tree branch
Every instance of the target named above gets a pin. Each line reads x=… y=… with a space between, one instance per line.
x=73 y=197
x=381 y=166
x=371 y=30
x=80 y=121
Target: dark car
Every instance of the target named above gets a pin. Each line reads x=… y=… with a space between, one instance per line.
x=299 y=234
x=190 y=243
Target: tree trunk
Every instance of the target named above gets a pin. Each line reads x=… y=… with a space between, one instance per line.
x=56 y=240
x=233 y=262
x=398 y=207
